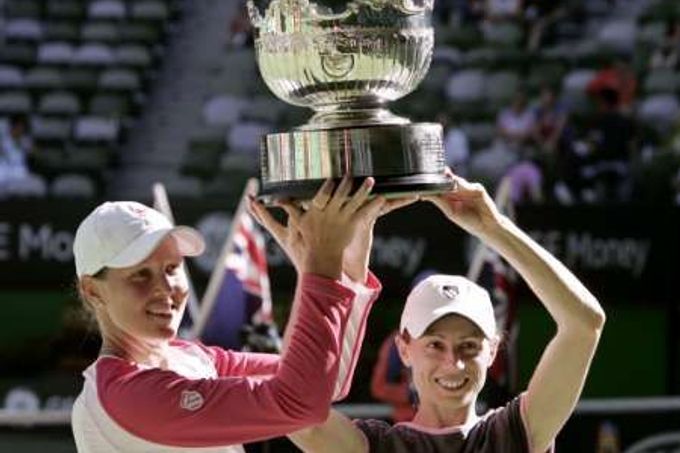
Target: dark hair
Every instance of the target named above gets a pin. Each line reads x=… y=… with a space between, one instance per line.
x=610 y=97
x=18 y=119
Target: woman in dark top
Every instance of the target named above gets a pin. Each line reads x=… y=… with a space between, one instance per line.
x=448 y=338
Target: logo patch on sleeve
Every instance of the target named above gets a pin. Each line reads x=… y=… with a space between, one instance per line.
x=191 y=400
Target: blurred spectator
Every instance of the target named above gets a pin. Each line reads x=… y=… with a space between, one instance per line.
x=515 y=124
x=15 y=148
x=444 y=10
x=617 y=76
x=674 y=138
x=553 y=138
x=676 y=187
x=539 y=16
x=456 y=146
x=499 y=10
x=550 y=122
x=526 y=183
x=391 y=381
x=472 y=11
x=489 y=165
x=611 y=141
x=240 y=29
x=608 y=438
x=667 y=55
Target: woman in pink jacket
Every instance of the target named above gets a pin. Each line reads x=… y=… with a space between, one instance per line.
x=149 y=391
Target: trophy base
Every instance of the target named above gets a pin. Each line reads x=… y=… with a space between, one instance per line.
x=389 y=187
x=403 y=159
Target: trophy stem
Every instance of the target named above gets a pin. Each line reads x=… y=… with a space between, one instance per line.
x=342 y=117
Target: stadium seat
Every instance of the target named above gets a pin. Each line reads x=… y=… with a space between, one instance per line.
x=60 y=30
x=577 y=80
x=660 y=111
x=102 y=32
x=73 y=186
x=89 y=158
x=96 y=129
x=264 y=109
x=134 y=55
x=480 y=135
x=94 y=54
x=244 y=137
x=136 y=32
x=23 y=8
x=33 y=186
x=202 y=159
x=11 y=77
x=119 y=79
x=66 y=9
x=152 y=10
x=184 y=187
x=436 y=78
x=55 y=52
x=661 y=81
x=81 y=80
x=59 y=103
x=23 y=29
x=504 y=34
x=22 y=54
x=51 y=130
x=15 y=102
x=116 y=105
x=651 y=34
x=42 y=78
x=466 y=86
x=618 y=36
x=501 y=87
x=223 y=110
x=106 y=9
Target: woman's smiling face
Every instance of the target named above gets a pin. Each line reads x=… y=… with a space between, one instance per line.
x=146 y=301
x=449 y=362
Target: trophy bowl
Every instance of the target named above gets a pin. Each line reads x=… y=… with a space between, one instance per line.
x=347 y=66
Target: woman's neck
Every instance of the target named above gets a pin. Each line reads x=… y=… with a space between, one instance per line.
x=142 y=352
x=442 y=416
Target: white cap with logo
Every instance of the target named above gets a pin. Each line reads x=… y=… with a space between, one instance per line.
x=441 y=295
x=124 y=233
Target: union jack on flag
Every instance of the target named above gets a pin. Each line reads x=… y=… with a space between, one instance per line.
x=238 y=293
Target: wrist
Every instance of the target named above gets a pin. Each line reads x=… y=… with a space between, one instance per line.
x=496 y=232
x=327 y=265
x=356 y=276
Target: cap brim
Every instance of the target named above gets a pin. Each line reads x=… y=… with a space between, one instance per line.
x=189 y=242
x=472 y=317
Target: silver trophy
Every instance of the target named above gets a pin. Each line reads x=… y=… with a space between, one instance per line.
x=347 y=66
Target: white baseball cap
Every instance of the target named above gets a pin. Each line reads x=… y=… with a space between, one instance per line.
x=124 y=233
x=440 y=295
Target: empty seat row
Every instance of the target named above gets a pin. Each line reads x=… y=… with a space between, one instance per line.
x=81 y=81
x=80 y=129
x=36 y=30
x=154 y=10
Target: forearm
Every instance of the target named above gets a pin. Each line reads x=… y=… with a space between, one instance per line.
x=365 y=294
x=567 y=300
x=336 y=435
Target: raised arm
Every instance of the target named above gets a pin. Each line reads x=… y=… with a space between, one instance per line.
x=166 y=408
x=558 y=380
x=355 y=267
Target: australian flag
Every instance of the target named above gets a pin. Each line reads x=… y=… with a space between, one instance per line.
x=240 y=314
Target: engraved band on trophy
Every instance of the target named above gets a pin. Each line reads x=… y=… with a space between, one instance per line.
x=347 y=66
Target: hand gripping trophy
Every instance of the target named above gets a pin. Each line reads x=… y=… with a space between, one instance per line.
x=347 y=66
